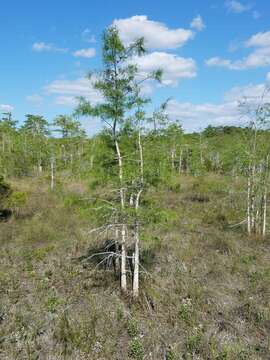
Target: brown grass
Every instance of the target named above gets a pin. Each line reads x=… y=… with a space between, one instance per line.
x=205 y=294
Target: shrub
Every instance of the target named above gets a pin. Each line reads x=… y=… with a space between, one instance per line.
x=135 y=349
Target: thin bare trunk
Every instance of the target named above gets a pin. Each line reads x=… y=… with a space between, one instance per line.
x=136 y=270
x=117 y=250
x=136 y=250
x=172 y=158
x=141 y=156
x=52 y=174
x=136 y=261
x=264 y=212
x=123 y=230
x=265 y=197
x=180 y=162
x=248 y=205
x=123 y=260
x=201 y=150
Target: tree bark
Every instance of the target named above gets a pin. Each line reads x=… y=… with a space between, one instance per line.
x=123 y=230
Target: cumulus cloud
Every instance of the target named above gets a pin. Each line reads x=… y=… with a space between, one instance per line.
x=6 y=107
x=197 y=116
x=259 y=57
x=47 y=47
x=261 y=39
x=237 y=7
x=197 y=23
x=66 y=91
x=250 y=92
x=174 y=67
x=156 y=34
x=86 y=53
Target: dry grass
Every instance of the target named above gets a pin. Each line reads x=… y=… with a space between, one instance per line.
x=205 y=295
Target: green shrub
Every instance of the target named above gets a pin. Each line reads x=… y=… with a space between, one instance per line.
x=52 y=303
x=132 y=328
x=135 y=349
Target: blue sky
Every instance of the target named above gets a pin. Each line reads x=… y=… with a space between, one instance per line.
x=213 y=53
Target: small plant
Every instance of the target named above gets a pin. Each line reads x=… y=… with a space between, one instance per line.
x=52 y=303
x=185 y=311
x=135 y=349
x=132 y=328
x=17 y=199
x=170 y=355
x=194 y=341
x=119 y=313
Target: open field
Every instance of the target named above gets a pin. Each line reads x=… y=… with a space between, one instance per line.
x=205 y=285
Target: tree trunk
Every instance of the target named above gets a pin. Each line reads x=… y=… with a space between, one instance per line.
x=136 y=250
x=180 y=162
x=248 y=206
x=52 y=174
x=136 y=262
x=123 y=230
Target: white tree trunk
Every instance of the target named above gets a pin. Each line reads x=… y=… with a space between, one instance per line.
x=136 y=250
x=180 y=162
x=248 y=207
x=52 y=174
x=123 y=230
x=136 y=262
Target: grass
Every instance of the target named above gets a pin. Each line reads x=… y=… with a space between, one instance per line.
x=205 y=294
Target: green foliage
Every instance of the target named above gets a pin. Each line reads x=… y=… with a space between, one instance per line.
x=68 y=127
x=135 y=349
x=17 y=200
x=186 y=312
x=52 y=303
x=170 y=355
x=194 y=341
x=5 y=189
x=36 y=125
x=132 y=328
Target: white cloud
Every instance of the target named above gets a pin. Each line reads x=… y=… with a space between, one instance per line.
x=261 y=39
x=259 y=57
x=156 y=34
x=237 y=7
x=197 y=116
x=35 y=98
x=217 y=61
x=66 y=100
x=250 y=92
x=48 y=47
x=87 y=36
x=268 y=78
x=66 y=91
x=6 y=107
x=87 y=53
x=174 y=67
x=197 y=23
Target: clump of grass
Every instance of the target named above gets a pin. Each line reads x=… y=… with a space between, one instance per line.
x=132 y=328
x=135 y=349
x=52 y=303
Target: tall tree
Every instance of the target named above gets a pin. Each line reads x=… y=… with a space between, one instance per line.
x=35 y=131
x=68 y=127
x=36 y=125
x=118 y=85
